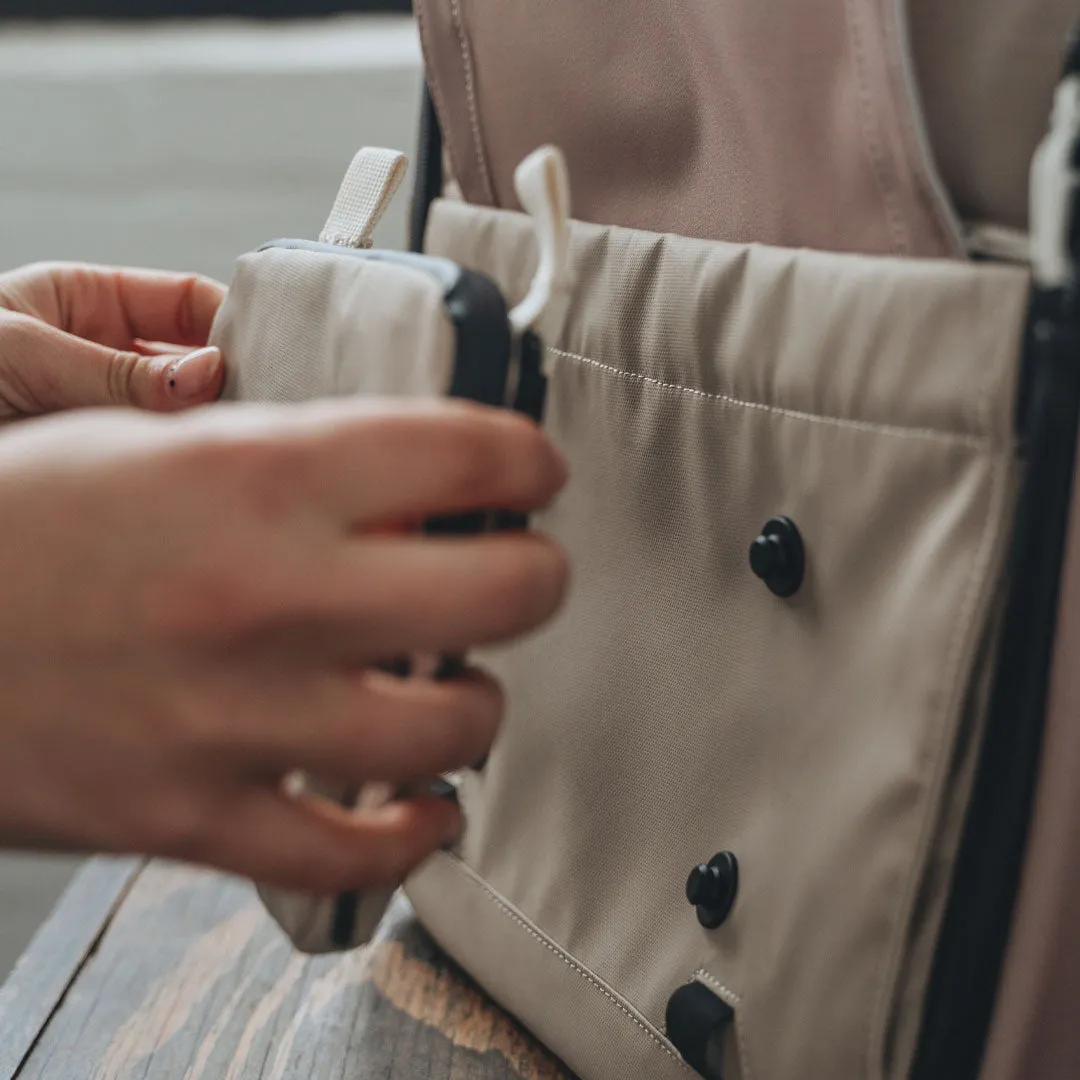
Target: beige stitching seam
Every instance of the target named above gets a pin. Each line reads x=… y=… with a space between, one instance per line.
x=973 y=442
x=504 y=907
x=744 y=1055
x=965 y=617
x=435 y=87
x=470 y=97
x=930 y=188
x=871 y=135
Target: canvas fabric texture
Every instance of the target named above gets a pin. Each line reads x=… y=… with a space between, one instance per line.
x=878 y=126
x=297 y=325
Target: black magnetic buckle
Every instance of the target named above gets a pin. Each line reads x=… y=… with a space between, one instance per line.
x=697 y=1021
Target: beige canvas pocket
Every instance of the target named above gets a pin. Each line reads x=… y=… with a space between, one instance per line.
x=678 y=708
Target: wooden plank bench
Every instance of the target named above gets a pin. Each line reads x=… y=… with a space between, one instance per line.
x=149 y=970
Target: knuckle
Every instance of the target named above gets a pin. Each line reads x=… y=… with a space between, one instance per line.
x=30 y=381
x=230 y=453
x=42 y=268
x=268 y=468
x=257 y=467
x=22 y=335
x=212 y=595
x=120 y=376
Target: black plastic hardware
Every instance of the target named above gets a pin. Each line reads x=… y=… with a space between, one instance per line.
x=429 y=173
x=443 y=789
x=344 y=922
x=530 y=397
x=778 y=558
x=711 y=888
x=696 y=1022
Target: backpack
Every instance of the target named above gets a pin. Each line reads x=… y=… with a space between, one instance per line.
x=786 y=789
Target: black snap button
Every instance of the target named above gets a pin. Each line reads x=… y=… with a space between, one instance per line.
x=711 y=888
x=777 y=556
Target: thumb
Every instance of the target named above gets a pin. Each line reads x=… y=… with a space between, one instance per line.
x=43 y=369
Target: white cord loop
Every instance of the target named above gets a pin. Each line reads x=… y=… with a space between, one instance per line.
x=543 y=186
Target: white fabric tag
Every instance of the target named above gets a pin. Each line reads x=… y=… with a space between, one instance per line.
x=364 y=195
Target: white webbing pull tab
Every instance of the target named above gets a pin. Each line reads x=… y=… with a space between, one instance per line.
x=364 y=195
x=543 y=186
x=1054 y=183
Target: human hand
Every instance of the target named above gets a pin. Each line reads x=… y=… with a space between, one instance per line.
x=73 y=336
x=196 y=605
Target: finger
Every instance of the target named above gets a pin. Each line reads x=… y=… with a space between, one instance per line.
x=419 y=594
x=314 y=845
x=43 y=369
x=159 y=348
x=114 y=306
x=374 y=726
x=391 y=461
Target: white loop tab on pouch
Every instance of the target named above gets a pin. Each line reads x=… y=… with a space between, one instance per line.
x=365 y=193
x=543 y=187
x=1055 y=180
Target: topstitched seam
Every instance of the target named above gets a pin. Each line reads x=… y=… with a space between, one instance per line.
x=974 y=442
x=470 y=97
x=567 y=959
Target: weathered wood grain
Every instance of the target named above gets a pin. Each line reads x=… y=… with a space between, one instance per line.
x=192 y=981
x=54 y=958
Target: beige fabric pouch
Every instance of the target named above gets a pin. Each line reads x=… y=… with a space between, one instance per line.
x=306 y=320
x=303 y=320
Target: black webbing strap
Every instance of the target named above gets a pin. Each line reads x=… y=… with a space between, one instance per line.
x=429 y=171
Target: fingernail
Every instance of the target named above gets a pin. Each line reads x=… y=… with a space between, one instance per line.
x=194 y=374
